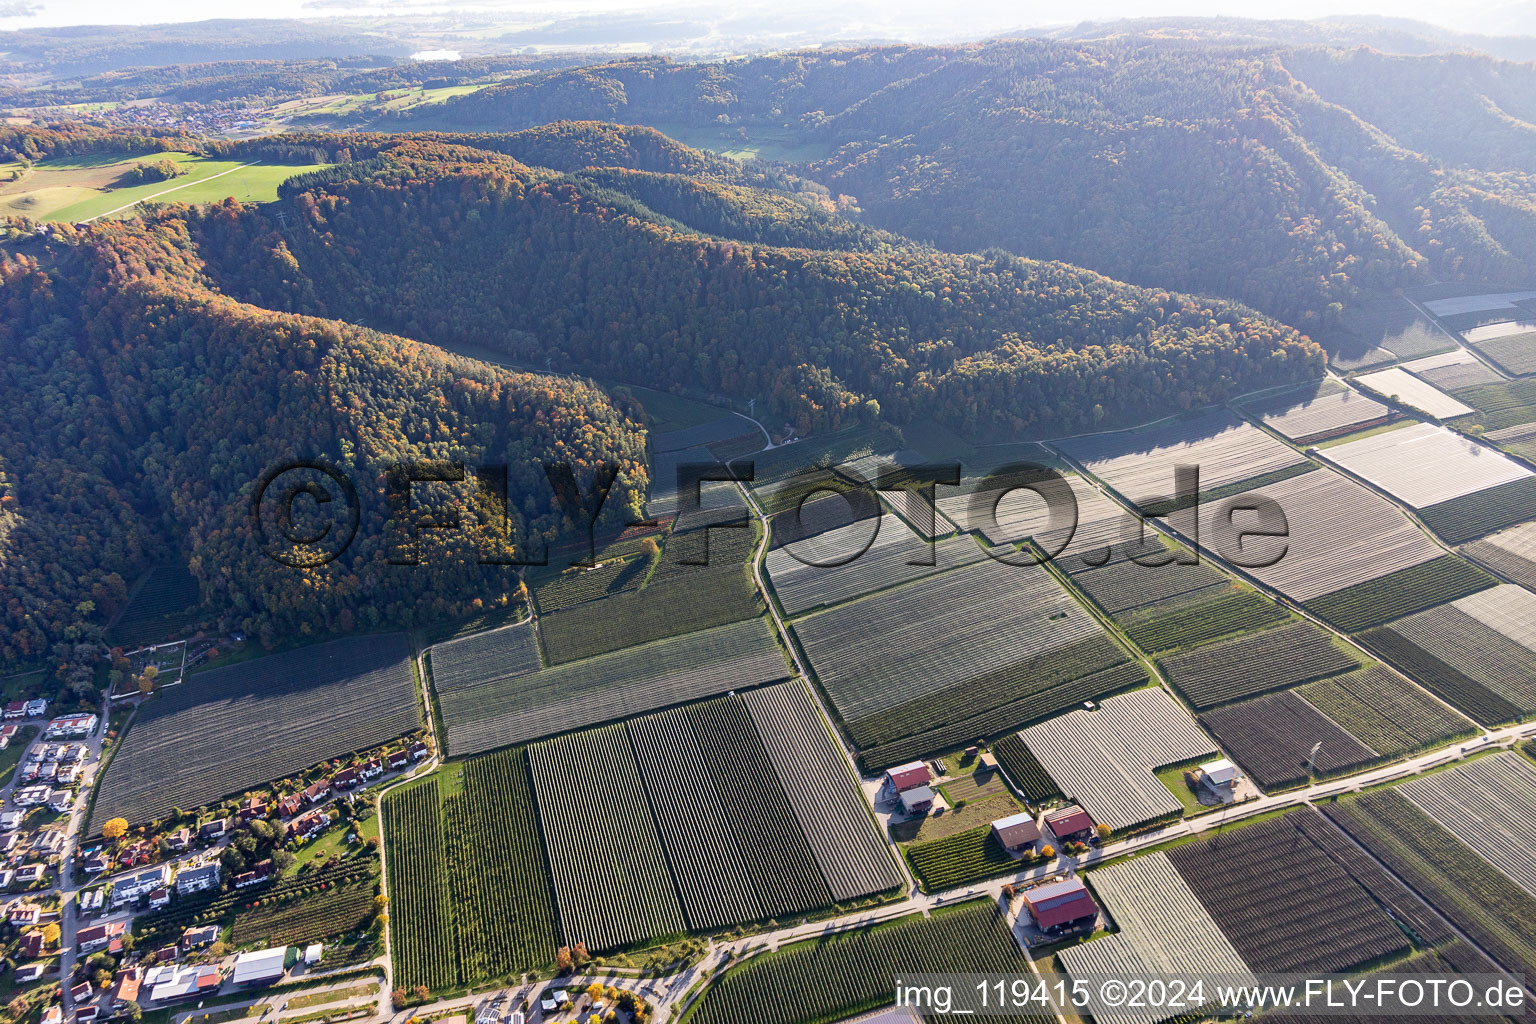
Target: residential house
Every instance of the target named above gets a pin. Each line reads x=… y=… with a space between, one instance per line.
x=60 y=800
x=197 y=938
x=213 y=830
x=252 y=808
x=99 y=936
x=907 y=776
x=9 y=731
x=371 y=769
x=10 y=842
x=179 y=840
x=345 y=779
x=317 y=791
x=87 y=1013
x=259 y=874
x=31 y=945
x=29 y=973
x=1017 y=832
x=288 y=806
x=198 y=879
x=125 y=988
x=30 y=796
x=134 y=855
x=81 y=992
x=917 y=800
x=419 y=751
x=1061 y=906
x=25 y=913
x=68 y=774
x=140 y=884
x=71 y=727
x=398 y=759
x=7 y=878
x=89 y=902
x=310 y=824
x=1069 y=824
x=16 y=709
x=37 y=708
x=11 y=819
x=31 y=874
x=160 y=898
x=189 y=981
x=164 y=955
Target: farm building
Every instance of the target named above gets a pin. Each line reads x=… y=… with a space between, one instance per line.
x=1069 y=824
x=198 y=879
x=171 y=983
x=905 y=776
x=262 y=966
x=1220 y=775
x=1061 y=906
x=917 y=800
x=1017 y=832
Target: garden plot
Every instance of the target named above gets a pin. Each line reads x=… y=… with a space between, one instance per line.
x=1490 y=804
x=1511 y=552
x=1501 y=301
x=1105 y=759
x=1424 y=465
x=226 y=730
x=950 y=646
x=1452 y=370
x=860 y=559
x=1284 y=908
x=492 y=656
x=1271 y=737
x=1319 y=410
x=1139 y=464
x=514 y=709
x=1403 y=386
x=593 y=860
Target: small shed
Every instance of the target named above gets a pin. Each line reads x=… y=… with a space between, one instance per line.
x=312 y=954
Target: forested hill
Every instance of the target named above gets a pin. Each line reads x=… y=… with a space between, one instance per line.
x=829 y=324
x=143 y=406
x=1288 y=178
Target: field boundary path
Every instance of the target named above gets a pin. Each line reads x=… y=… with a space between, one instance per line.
x=163 y=192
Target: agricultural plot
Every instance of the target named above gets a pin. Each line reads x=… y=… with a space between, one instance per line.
x=921 y=514
x=1487 y=905
x=1476 y=653
x=612 y=886
x=950 y=647
x=1011 y=512
x=849 y=973
x=1126 y=584
x=1024 y=770
x=1340 y=534
x=422 y=912
x=959 y=859
x=1500 y=406
x=490 y=657
x=716 y=431
x=1490 y=804
x=633 y=681
x=1247 y=665
x=577 y=585
x=1402 y=386
x=228 y=729
x=1400 y=593
x=1162 y=929
x=1452 y=371
x=1459 y=520
x=1424 y=465
x=821 y=514
x=1105 y=759
x=701 y=846
x=1271 y=737
x=779 y=859
x=1461 y=305
x=323 y=910
x=1385 y=711
x=1510 y=345
x=1519 y=440
x=159 y=606
x=1139 y=464
x=680 y=596
x=822 y=451
x=1279 y=931
x=852 y=857
x=1198 y=618
x=1380 y=331
x=1010 y=715
x=1511 y=552
x=663 y=499
x=1317 y=410
x=860 y=559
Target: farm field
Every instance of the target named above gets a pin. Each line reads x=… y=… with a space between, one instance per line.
x=1512 y=349
x=959 y=859
x=1009 y=510
x=422 y=912
x=591 y=865
x=1511 y=552
x=633 y=681
x=1385 y=711
x=677 y=598
x=1399 y=384
x=82 y=188
x=1271 y=736
x=1508 y=403
x=950 y=647
x=618 y=571
x=1425 y=465
x=1161 y=929
x=849 y=973
x=1105 y=760
x=720 y=429
x=485 y=658
x=1139 y=463
x=228 y=729
x=1281 y=935
x=1248 y=665
x=1490 y=804
x=160 y=606
x=1461 y=305
x=1317 y=410
x=1452 y=371
x=859 y=559
x=1487 y=905
x=1469 y=516
x=1341 y=534
x=1126 y=584
x=1378 y=331
x=1199 y=618
x=1024 y=770
x=922 y=515
x=821 y=514
x=820 y=451
x=1400 y=593
x=1474 y=653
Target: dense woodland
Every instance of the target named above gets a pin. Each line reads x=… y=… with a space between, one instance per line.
x=1290 y=179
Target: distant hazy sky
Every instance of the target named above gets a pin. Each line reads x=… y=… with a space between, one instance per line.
x=913 y=19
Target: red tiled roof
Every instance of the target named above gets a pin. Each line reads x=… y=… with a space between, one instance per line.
x=1068 y=821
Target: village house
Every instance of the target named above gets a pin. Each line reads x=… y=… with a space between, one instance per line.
x=31 y=874
x=345 y=779
x=288 y=806
x=371 y=769
x=262 y=872
x=31 y=972
x=144 y=882
x=30 y=796
x=24 y=913
x=179 y=840
x=212 y=830
x=172 y=984
x=1017 y=832
x=317 y=791
x=12 y=819
x=71 y=727
x=125 y=988
x=310 y=825
x=419 y=751
x=160 y=898
x=907 y=776
x=81 y=992
x=99 y=936
x=16 y=709
x=398 y=759
x=89 y=902
x=916 y=800
x=197 y=938
x=198 y=879
x=7 y=878
x=1070 y=824
x=36 y=708
x=31 y=945
x=252 y=808
x=60 y=800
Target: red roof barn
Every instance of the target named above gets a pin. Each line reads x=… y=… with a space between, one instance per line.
x=905 y=776
x=1061 y=905
x=1069 y=822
